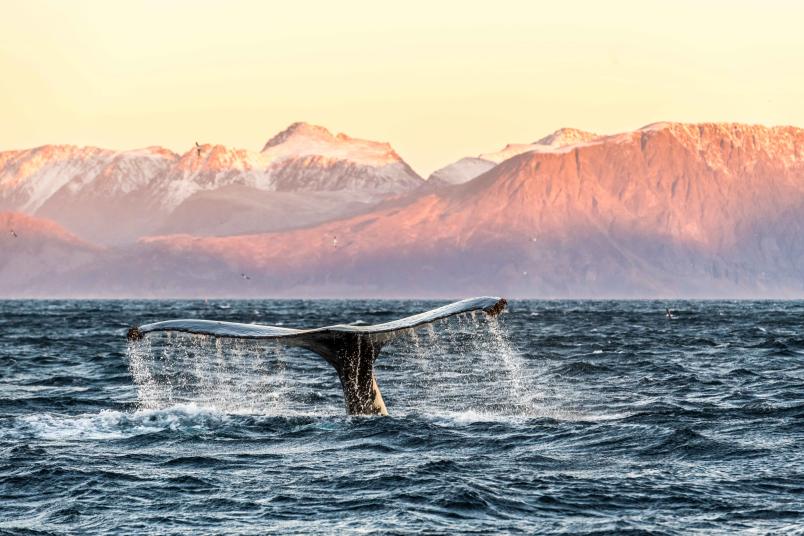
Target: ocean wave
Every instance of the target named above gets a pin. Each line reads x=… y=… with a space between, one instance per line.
x=110 y=424
x=595 y=418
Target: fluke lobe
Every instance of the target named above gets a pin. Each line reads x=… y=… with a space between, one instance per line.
x=351 y=350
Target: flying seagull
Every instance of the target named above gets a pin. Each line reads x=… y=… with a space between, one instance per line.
x=13 y=233
x=246 y=277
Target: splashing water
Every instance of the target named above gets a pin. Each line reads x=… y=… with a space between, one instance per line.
x=461 y=364
x=236 y=376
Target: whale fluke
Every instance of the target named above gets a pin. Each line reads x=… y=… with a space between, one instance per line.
x=350 y=349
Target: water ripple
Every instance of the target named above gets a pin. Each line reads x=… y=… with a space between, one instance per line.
x=580 y=417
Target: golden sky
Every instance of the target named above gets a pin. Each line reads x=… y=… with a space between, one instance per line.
x=438 y=79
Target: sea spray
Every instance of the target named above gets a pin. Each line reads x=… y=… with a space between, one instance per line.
x=510 y=359
x=141 y=365
x=465 y=363
x=236 y=376
x=414 y=354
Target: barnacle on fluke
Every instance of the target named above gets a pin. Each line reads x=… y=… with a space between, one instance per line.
x=497 y=308
x=134 y=334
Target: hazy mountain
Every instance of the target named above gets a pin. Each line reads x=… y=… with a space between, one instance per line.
x=235 y=209
x=116 y=196
x=468 y=168
x=461 y=171
x=37 y=254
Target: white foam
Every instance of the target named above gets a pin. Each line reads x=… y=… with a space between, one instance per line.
x=109 y=424
x=481 y=416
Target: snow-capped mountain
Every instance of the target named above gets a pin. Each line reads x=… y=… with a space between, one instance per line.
x=29 y=178
x=697 y=210
x=302 y=158
x=117 y=196
x=667 y=210
x=468 y=168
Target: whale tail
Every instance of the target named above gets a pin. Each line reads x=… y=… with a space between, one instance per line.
x=351 y=350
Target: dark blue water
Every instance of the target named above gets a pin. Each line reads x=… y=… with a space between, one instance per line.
x=567 y=417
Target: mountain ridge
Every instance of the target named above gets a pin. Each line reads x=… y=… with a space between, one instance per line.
x=668 y=210
x=116 y=196
x=583 y=204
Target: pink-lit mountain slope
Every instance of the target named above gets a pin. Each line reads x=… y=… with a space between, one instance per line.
x=116 y=196
x=667 y=210
x=36 y=254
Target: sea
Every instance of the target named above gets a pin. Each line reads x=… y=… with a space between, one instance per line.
x=557 y=417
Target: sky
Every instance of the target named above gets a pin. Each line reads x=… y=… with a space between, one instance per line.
x=440 y=80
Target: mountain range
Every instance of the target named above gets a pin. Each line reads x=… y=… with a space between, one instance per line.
x=114 y=197
x=670 y=209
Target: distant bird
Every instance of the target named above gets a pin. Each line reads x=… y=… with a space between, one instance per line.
x=668 y=313
x=198 y=148
x=334 y=241
x=246 y=277
x=13 y=233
